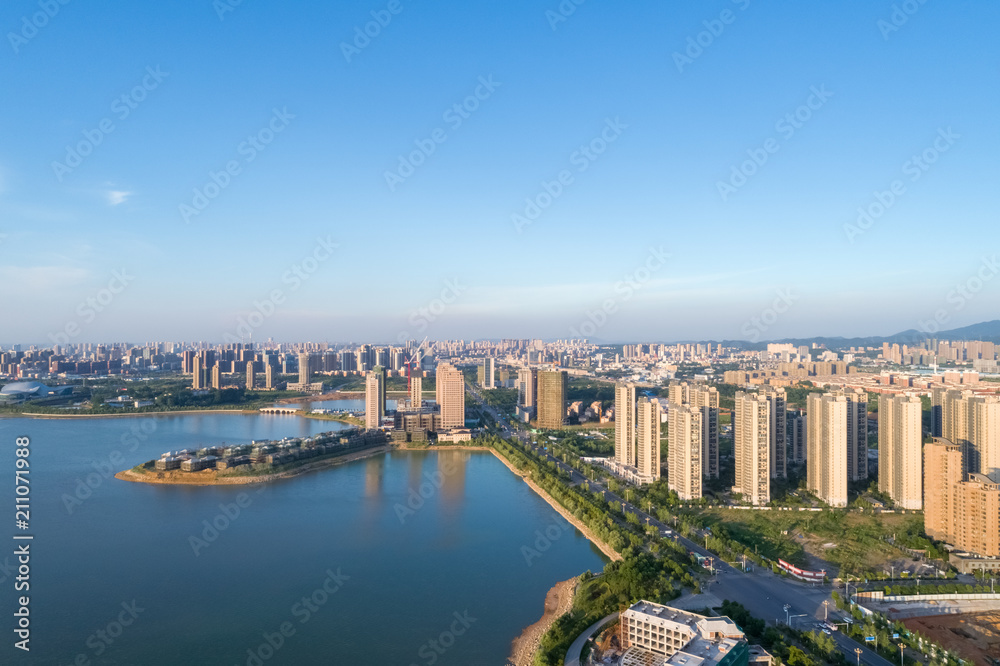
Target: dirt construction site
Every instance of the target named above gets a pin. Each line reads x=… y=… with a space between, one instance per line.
x=974 y=636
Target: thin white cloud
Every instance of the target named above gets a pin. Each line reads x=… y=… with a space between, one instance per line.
x=40 y=279
x=116 y=197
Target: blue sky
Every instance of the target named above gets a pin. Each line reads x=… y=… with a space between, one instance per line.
x=556 y=86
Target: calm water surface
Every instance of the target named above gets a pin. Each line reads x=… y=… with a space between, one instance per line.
x=402 y=564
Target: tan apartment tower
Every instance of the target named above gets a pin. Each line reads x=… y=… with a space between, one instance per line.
x=900 y=455
x=648 y=435
x=197 y=373
x=269 y=376
x=374 y=398
x=706 y=399
x=778 y=400
x=217 y=375
x=527 y=384
x=798 y=429
x=752 y=447
x=826 y=459
x=305 y=375
x=251 y=377
x=551 y=399
x=963 y=513
x=944 y=469
x=984 y=435
x=625 y=427
x=416 y=392
x=684 y=464
x=450 y=395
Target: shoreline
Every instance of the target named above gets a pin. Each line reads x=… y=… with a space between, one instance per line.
x=215 y=480
x=608 y=551
x=35 y=415
x=558 y=602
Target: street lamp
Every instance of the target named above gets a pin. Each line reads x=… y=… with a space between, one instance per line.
x=826 y=610
x=857 y=651
x=786 y=607
x=901 y=654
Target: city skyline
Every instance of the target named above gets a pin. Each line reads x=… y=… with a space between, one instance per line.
x=299 y=218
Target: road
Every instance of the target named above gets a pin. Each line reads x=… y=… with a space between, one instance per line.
x=761 y=592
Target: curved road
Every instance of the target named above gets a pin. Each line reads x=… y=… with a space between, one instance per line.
x=573 y=654
x=763 y=593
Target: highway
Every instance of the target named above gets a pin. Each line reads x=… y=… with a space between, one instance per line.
x=761 y=592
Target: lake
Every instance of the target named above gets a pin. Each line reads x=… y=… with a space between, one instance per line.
x=401 y=558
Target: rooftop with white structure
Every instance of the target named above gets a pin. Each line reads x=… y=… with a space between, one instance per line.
x=657 y=635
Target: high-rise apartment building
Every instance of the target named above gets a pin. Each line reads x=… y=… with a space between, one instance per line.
x=305 y=374
x=268 y=376
x=984 y=436
x=552 y=399
x=961 y=510
x=648 y=436
x=251 y=377
x=416 y=392
x=374 y=398
x=488 y=372
x=900 y=455
x=450 y=394
x=678 y=393
x=625 y=426
x=197 y=373
x=944 y=468
x=972 y=422
x=684 y=457
x=752 y=447
x=857 y=433
x=527 y=385
x=217 y=375
x=706 y=400
x=826 y=459
x=777 y=399
x=798 y=429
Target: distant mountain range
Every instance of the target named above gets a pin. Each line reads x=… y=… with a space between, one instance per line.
x=987 y=330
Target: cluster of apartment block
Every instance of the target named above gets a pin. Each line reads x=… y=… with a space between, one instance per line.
x=657 y=635
x=791 y=373
x=637 y=435
x=266 y=452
